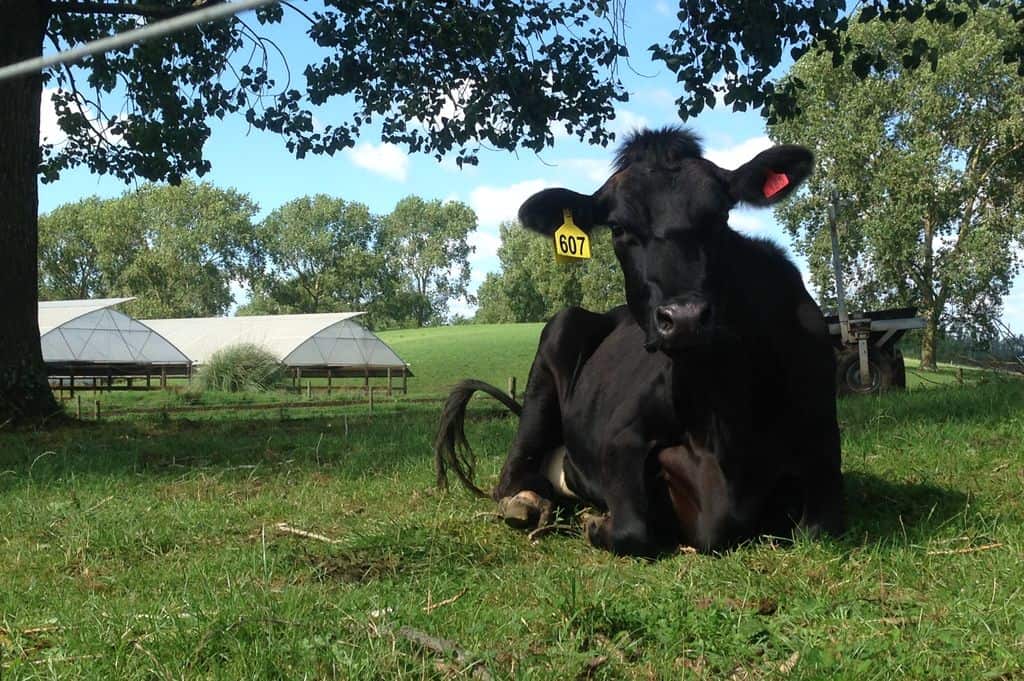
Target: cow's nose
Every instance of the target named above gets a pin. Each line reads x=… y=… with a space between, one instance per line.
x=682 y=321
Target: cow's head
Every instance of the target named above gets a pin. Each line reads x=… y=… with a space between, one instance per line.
x=667 y=206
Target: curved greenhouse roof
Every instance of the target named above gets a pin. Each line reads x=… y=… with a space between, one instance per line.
x=305 y=341
x=92 y=333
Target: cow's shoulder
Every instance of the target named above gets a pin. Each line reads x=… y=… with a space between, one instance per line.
x=575 y=332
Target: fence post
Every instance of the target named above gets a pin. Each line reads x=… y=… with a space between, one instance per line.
x=370 y=393
x=78 y=408
x=328 y=382
x=389 y=381
x=512 y=386
x=97 y=410
x=309 y=389
x=960 y=375
x=405 y=381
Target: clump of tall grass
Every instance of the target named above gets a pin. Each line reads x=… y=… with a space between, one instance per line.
x=245 y=367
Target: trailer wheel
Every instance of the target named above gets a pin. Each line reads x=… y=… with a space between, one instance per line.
x=881 y=373
x=899 y=370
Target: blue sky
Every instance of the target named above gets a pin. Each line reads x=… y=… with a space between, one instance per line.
x=380 y=175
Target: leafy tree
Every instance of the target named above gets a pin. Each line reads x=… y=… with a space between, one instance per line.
x=197 y=239
x=732 y=48
x=929 y=166
x=434 y=78
x=176 y=249
x=321 y=256
x=427 y=243
x=83 y=249
x=532 y=286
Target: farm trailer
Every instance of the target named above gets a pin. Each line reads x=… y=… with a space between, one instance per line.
x=867 y=359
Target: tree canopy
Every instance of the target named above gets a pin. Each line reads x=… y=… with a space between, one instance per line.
x=732 y=48
x=928 y=166
x=318 y=255
x=177 y=250
x=427 y=244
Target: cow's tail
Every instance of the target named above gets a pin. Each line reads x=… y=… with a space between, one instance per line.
x=451 y=449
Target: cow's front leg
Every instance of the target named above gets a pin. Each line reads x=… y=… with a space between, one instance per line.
x=524 y=493
x=621 y=531
x=527 y=487
x=630 y=526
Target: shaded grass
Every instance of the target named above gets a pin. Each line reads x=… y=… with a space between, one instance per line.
x=146 y=548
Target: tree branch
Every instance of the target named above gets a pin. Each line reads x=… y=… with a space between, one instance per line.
x=121 y=8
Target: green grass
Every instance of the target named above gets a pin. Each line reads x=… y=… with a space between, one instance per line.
x=439 y=357
x=444 y=355
x=146 y=547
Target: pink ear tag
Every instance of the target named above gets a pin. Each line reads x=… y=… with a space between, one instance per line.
x=774 y=183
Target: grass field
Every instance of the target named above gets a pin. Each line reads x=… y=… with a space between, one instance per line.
x=149 y=547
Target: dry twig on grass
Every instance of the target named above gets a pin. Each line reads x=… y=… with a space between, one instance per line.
x=430 y=607
x=285 y=528
x=787 y=666
x=544 y=529
x=969 y=549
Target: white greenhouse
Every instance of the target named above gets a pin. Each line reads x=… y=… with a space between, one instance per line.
x=330 y=345
x=90 y=339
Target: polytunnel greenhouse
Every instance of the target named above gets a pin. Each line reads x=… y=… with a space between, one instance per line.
x=89 y=339
x=331 y=345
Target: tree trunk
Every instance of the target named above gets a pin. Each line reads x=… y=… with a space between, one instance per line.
x=928 y=338
x=25 y=395
x=932 y=301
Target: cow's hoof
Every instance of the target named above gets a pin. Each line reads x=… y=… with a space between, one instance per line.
x=525 y=510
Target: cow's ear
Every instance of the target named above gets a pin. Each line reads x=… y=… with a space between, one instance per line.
x=771 y=176
x=544 y=212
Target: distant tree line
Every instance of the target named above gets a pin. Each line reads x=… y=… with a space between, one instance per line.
x=532 y=286
x=184 y=251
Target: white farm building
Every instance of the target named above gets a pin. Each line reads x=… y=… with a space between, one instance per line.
x=91 y=339
x=331 y=345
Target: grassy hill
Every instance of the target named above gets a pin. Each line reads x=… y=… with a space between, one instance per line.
x=443 y=355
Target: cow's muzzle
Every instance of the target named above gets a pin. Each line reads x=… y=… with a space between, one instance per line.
x=684 y=324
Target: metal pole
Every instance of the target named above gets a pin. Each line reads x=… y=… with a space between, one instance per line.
x=153 y=30
x=844 y=318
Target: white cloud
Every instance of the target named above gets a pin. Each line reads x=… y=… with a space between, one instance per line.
x=496 y=204
x=486 y=244
x=571 y=170
x=747 y=221
x=49 y=129
x=733 y=157
x=383 y=159
x=493 y=205
x=1013 y=307
x=626 y=122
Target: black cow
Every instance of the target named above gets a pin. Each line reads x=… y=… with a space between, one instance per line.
x=702 y=412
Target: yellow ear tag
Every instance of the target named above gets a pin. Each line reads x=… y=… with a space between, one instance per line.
x=571 y=242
